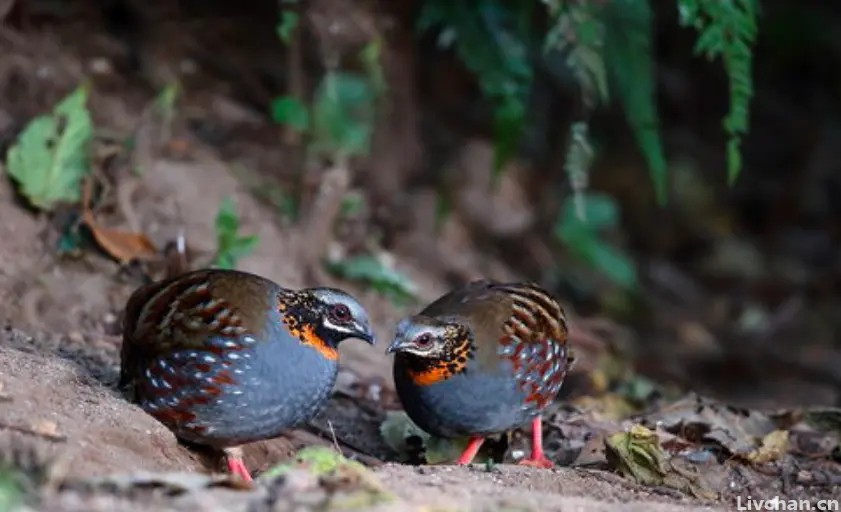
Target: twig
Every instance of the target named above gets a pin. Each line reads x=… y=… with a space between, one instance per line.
x=33 y=432
x=355 y=452
x=317 y=228
x=333 y=435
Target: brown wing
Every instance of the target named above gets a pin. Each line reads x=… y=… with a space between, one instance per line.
x=520 y=322
x=184 y=311
x=535 y=341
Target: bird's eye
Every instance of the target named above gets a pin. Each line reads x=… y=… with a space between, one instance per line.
x=340 y=313
x=424 y=340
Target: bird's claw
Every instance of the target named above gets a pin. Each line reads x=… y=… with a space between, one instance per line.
x=537 y=462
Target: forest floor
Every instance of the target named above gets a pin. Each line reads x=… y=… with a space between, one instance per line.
x=73 y=443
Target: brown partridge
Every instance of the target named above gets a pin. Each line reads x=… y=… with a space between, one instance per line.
x=483 y=359
x=224 y=358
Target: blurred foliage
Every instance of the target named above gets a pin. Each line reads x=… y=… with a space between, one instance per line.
x=292 y=112
x=578 y=32
x=165 y=106
x=230 y=246
x=606 y=46
x=638 y=454
x=376 y=273
x=50 y=157
x=630 y=65
x=408 y=441
x=492 y=37
x=340 y=120
x=343 y=116
x=11 y=493
x=581 y=234
x=728 y=30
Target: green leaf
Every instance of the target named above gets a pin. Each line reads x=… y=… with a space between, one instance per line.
x=230 y=246
x=400 y=434
x=612 y=262
x=629 y=55
x=600 y=212
x=578 y=33
x=361 y=488
x=290 y=111
x=11 y=493
x=371 y=58
x=379 y=276
x=492 y=40
x=167 y=98
x=728 y=30
x=50 y=157
x=343 y=115
x=581 y=236
x=288 y=24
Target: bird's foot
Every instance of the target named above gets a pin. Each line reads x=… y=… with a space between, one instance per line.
x=236 y=466
x=537 y=462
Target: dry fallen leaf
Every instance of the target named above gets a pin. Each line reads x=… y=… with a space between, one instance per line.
x=774 y=446
x=124 y=246
x=702 y=420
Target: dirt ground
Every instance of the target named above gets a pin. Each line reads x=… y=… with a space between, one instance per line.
x=62 y=411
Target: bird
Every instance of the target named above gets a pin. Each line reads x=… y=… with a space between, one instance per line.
x=483 y=359
x=224 y=357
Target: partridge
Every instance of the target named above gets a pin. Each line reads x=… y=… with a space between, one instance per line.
x=224 y=358
x=481 y=360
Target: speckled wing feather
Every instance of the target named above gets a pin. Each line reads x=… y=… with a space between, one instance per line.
x=184 y=312
x=520 y=323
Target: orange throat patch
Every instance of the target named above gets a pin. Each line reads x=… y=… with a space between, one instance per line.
x=424 y=372
x=306 y=335
x=435 y=373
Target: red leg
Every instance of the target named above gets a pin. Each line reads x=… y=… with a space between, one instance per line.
x=236 y=466
x=537 y=458
x=471 y=451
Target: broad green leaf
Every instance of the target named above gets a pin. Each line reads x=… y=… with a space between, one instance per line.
x=50 y=157
x=343 y=115
x=400 y=434
x=612 y=262
x=292 y=112
x=600 y=212
x=230 y=246
x=379 y=276
x=637 y=453
x=582 y=237
x=288 y=24
x=11 y=494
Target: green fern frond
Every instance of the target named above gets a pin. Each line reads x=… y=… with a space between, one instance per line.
x=628 y=53
x=727 y=29
x=578 y=32
x=577 y=162
x=490 y=37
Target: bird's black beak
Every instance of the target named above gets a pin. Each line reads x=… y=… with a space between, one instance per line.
x=396 y=345
x=366 y=333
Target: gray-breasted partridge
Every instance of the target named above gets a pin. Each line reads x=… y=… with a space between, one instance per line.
x=483 y=359
x=224 y=358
